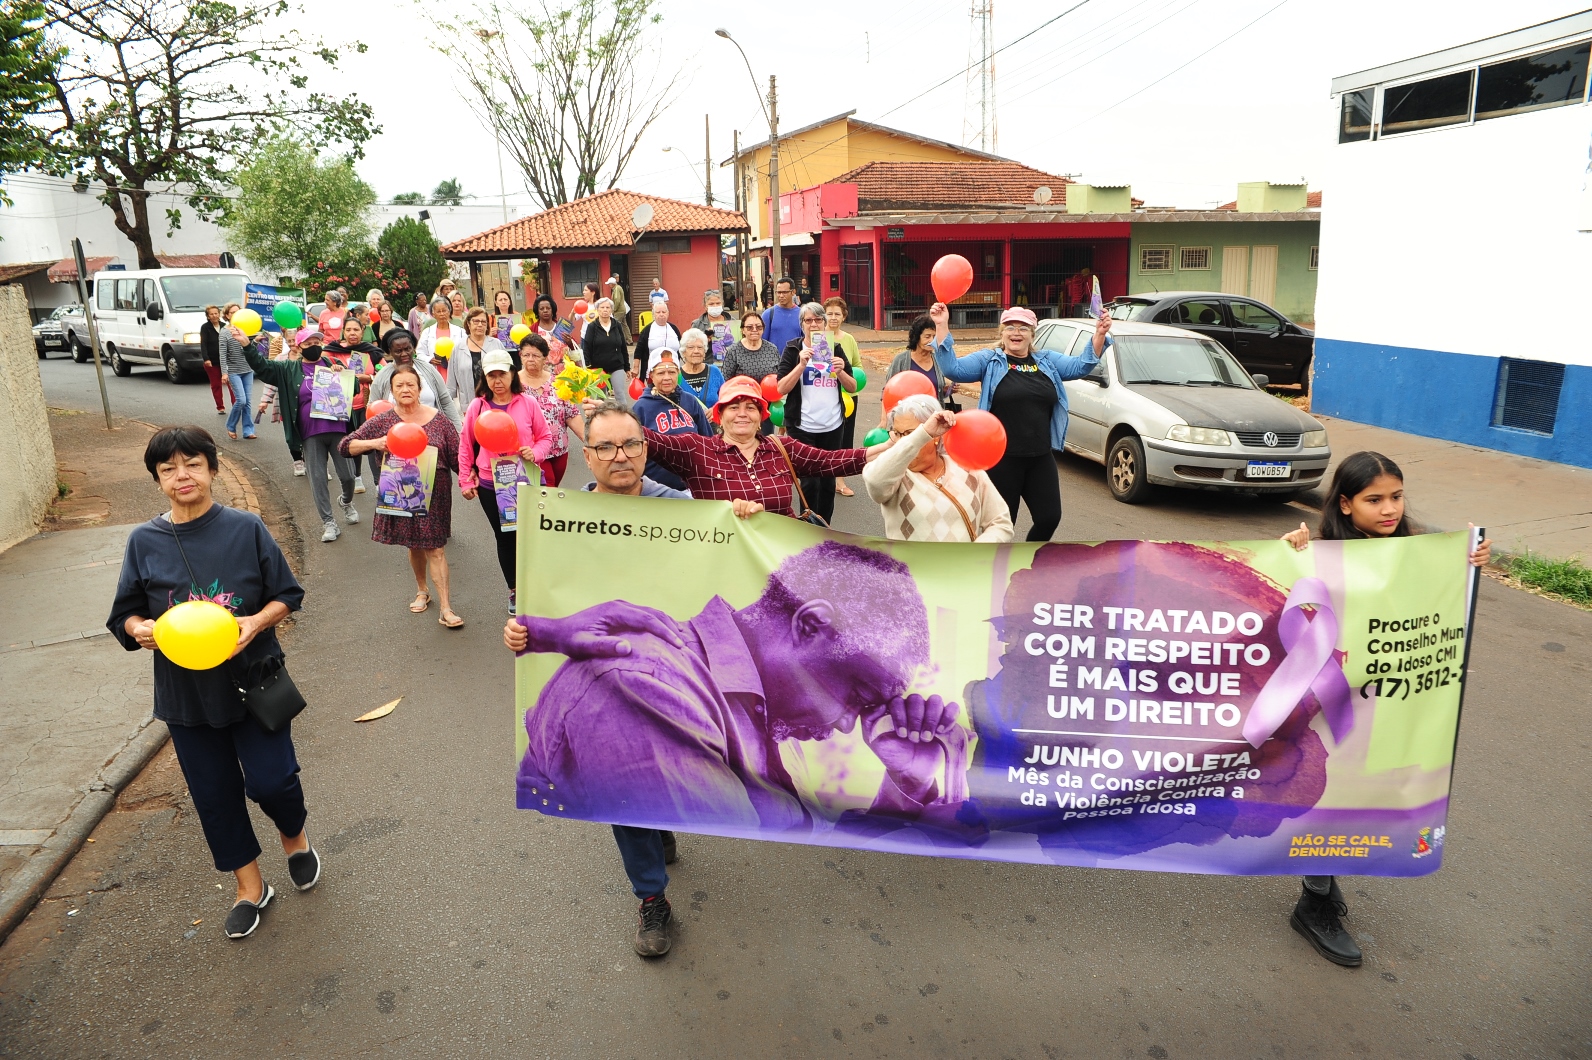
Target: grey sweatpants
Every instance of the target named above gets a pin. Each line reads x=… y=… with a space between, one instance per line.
x=317 y=447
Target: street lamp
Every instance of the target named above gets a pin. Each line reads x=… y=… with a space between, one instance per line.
x=771 y=112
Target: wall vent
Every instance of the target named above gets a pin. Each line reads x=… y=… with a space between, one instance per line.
x=1528 y=395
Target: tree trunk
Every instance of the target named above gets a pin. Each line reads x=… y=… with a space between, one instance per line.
x=136 y=228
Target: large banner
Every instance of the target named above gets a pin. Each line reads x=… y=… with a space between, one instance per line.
x=1192 y=707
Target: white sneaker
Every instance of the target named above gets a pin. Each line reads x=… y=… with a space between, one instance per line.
x=331 y=533
x=351 y=513
x=359 y=483
x=298 y=469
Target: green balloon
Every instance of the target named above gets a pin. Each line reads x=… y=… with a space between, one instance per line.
x=877 y=436
x=861 y=377
x=776 y=414
x=288 y=315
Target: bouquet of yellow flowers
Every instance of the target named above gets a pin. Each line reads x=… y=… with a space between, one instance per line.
x=576 y=383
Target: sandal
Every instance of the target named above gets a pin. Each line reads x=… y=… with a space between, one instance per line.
x=233 y=435
x=843 y=490
x=443 y=619
x=421 y=603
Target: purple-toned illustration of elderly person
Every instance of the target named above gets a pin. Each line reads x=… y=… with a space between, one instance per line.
x=665 y=737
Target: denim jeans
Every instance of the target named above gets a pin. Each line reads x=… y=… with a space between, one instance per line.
x=240 y=383
x=641 y=849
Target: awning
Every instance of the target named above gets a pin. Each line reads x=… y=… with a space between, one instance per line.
x=800 y=239
x=13 y=273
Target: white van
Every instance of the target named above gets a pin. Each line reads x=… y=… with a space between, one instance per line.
x=152 y=316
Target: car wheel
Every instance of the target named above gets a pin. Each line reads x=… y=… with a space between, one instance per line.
x=1125 y=471
x=119 y=366
x=174 y=370
x=80 y=351
x=1304 y=378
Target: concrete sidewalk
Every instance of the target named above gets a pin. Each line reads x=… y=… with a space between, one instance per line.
x=1525 y=504
x=77 y=726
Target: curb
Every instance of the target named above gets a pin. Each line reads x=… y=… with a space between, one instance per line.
x=29 y=885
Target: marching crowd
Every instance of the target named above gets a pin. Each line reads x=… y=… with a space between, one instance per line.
x=759 y=412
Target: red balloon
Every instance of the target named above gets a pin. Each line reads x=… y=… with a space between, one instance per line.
x=977 y=441
x=377 y=408
x=497 y=431
x=580 y=307
x=952 y=275
x=903 y=383
x=407 y=440
x=637 y=388
x=771 y=392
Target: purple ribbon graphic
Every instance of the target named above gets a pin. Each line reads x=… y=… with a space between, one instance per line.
x=1309 y=667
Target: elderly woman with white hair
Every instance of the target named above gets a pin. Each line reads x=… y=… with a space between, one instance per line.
x=696 y=374
x=924 y=494
x=445 y=329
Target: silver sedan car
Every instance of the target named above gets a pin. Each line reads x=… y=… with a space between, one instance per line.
x=1167 y=407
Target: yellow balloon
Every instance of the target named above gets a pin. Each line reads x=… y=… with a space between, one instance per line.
x=197 y=635
x=444 y=347
x=246 y=321
x=518 y=332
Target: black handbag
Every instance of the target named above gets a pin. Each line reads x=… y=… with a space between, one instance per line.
x=272 y=698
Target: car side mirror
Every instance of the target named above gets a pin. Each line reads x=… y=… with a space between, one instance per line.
x=1261 y=380
x=153 y=312
x=1097 y=377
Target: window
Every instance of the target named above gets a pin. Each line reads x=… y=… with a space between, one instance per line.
x=1251 y=317
x=1428 y=104
x=1155 y=259
x=577 y=274
x=105 y=295
x=1206 y=314
x=681 y=245
x=1058 y=338
x=1194 y=259
x=151 y=296
x=1171 y=360
x=1528 y=395
x=130 y=295
x=1356 y=121
x=1315 y=258
x=1549 y=79
x=187 y=294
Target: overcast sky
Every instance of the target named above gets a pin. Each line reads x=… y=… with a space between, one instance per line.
x=1093 y=94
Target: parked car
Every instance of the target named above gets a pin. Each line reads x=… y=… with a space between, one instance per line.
x=1167 y=408
x=62 y=330
x=1261 y=338
x=153 y=316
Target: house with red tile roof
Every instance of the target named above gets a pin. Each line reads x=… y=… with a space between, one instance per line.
x=559 y=250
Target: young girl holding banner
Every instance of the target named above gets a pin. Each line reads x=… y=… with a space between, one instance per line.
x=1365 y=500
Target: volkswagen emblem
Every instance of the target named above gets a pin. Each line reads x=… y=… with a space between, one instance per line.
x=1270 y=439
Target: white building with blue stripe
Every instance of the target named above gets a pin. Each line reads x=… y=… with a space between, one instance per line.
x=1456 y=261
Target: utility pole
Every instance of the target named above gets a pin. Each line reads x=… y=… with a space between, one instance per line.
x=982 y=38
x=707 y=158
x=774 y=262
x=740 y=208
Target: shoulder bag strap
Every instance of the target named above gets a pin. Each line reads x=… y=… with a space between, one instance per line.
x=795 y=480
x=193 y=579
x=972 y=535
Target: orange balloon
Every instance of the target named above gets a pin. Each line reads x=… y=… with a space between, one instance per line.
x=497 y=432
x=951 y=276
x=903 y=383
x=977 y=441
x=377 y=408
x=771 y=392
x=406 y=440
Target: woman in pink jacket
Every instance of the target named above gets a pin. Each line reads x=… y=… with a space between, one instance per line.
x=493 y=476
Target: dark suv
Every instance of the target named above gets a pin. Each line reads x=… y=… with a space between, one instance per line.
x=1264 y=341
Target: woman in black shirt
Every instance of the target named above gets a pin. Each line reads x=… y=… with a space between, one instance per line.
x=224 y=752
x=603 y=345
x=210 y=352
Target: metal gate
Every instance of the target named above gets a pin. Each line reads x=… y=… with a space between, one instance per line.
x=856 y=282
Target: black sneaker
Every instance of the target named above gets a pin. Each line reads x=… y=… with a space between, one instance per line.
x=305 y=868
x=245 y=915
x=1316 y=917
x=652 y=939
x=670 y=854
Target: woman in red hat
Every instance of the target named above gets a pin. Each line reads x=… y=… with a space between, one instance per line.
x=740 y=463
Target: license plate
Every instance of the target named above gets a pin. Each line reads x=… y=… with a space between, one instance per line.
x=1269 y=469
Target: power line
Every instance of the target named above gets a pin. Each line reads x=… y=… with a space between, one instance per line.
x=1185 y=66
x=1101 y=55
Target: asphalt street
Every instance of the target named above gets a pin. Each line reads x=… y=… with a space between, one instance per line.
x=450 y=924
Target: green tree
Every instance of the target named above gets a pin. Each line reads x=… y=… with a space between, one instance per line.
x=292 y=209
x=157 y=94
x=412 y=250
x=447 y=193
x=409 y=198
x=27 y=62
x=568 y=86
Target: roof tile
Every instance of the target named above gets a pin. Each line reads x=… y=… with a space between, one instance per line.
x=885 y=185
x=601 y=220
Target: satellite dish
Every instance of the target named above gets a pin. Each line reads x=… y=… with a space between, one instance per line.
x=641 y=216
x=1042 y=194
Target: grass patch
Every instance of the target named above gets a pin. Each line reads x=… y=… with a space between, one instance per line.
x=1569 y=578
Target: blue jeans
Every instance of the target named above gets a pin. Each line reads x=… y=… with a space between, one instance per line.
x=641 y=849
x=240 y=383
x=224 y=767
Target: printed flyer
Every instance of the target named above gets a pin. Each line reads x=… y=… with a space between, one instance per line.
x=331 y=393
x=405 y=487
x=507 y=474
x=1235 y=707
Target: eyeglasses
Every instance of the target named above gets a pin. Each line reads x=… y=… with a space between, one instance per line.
x=751 y=327
x=610 y=452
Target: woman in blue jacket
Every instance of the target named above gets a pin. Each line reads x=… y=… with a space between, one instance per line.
x=1021 y=387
